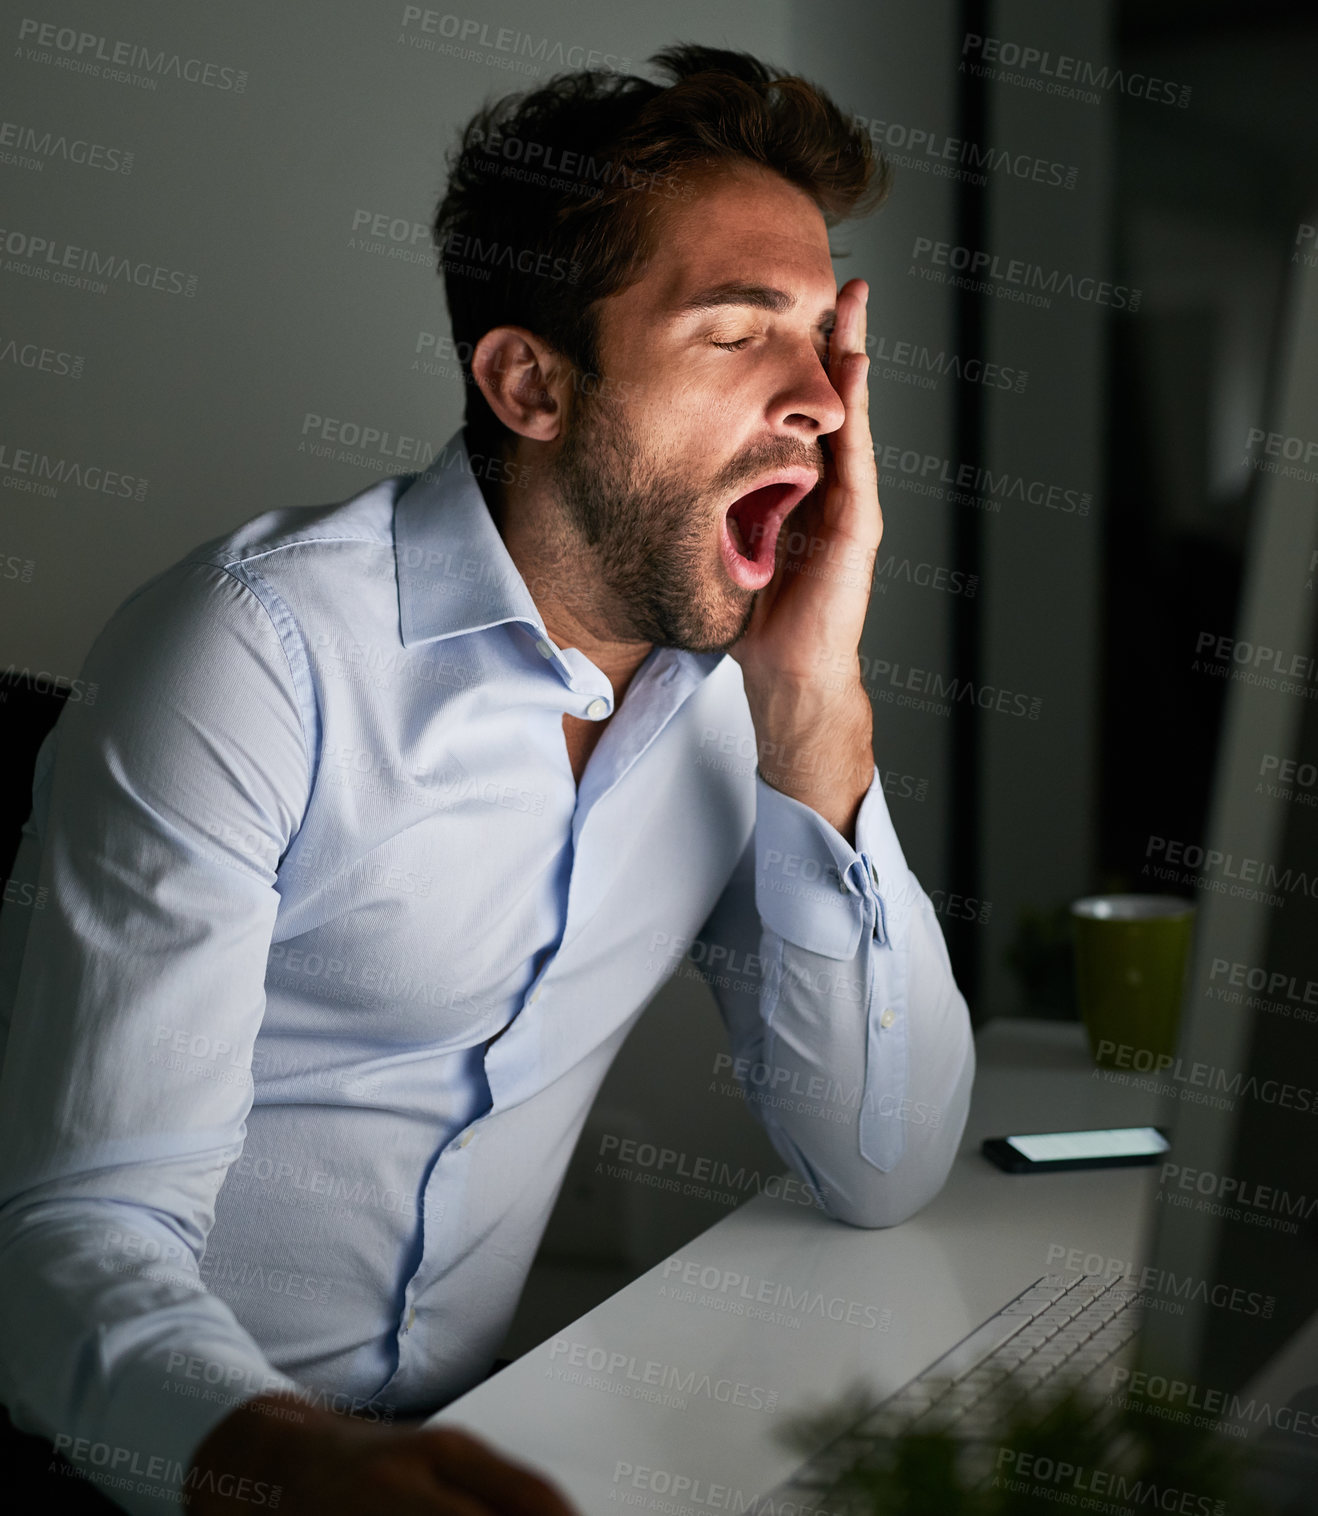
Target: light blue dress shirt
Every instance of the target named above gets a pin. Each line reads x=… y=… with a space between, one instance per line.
x=333 y=956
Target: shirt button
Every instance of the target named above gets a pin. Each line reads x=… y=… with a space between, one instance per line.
x=464 y=1139
x=411 y=1317
x=597 y=708
x=544 y=649
x=888 y=1017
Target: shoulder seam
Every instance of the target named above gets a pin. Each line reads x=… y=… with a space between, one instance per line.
x=259 y=589
x=228 y=561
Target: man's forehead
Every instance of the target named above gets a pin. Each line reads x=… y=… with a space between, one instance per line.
x=743 y=233
x=780 y=279
x=746 y=238
x=743 y=293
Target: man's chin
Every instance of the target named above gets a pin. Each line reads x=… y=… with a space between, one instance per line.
x=714 y=639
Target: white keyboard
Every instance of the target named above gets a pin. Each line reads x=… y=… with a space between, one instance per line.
x=1051 y=1333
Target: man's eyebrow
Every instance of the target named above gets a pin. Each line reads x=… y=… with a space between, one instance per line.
x=737 y=292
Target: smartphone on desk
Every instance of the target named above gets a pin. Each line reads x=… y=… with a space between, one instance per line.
x=1047 y=1152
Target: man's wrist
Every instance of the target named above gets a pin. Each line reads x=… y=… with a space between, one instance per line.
x=818 y=752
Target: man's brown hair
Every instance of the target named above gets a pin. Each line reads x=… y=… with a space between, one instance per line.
x=554 y=196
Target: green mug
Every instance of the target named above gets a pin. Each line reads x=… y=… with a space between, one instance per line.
x=1131 y=956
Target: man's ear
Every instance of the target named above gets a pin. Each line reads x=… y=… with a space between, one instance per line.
x=525 y=381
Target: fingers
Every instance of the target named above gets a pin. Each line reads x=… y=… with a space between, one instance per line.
x=442 y=1502
x=451 y=1502
x=472 y=1467
x=853 y=451
x=389 y=1499
x=848 y=326
x=851 y=509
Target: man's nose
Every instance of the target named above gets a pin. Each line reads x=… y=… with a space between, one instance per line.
x=809 y=404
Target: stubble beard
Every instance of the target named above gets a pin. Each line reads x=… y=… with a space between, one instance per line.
x=648 y=534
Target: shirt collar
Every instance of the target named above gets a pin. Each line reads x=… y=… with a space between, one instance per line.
x=454 y=572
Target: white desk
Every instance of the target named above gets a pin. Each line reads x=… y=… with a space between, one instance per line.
x=985 y=1236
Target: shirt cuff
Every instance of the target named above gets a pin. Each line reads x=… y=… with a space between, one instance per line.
x=817 y=891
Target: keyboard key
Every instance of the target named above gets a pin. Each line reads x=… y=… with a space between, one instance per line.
x=1063 y=1332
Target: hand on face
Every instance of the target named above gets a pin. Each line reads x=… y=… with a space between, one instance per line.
x=807 y=622
x=800 y=655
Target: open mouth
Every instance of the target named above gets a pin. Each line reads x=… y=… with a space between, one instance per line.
x=752 y=522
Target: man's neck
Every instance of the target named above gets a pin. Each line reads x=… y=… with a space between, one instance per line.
x=557 y=571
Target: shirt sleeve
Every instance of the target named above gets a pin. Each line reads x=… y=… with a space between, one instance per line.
x=849 y=1037
x=163 y=801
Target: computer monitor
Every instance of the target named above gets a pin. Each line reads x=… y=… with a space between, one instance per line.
x=1231 y=1327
